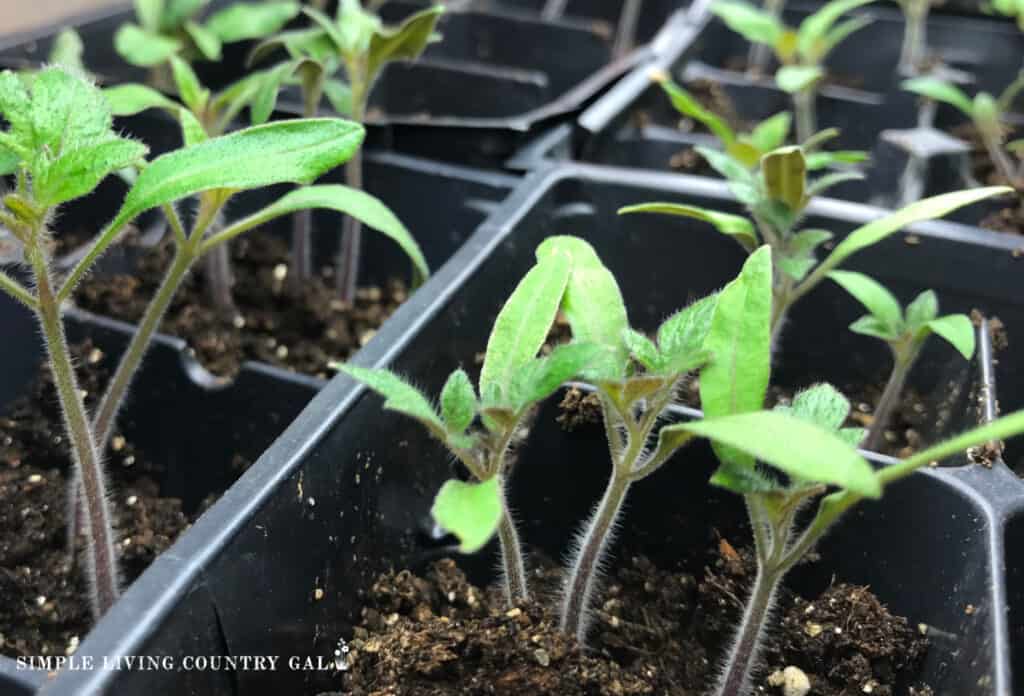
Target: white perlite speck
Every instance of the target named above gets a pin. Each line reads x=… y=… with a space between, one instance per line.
x=792 y=680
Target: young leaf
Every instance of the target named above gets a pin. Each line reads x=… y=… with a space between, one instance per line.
x=522 y=326
x=875 y=298
x=794 y=446
x=366 y=208
x=840 y=32
x=643 y=349
x=748 y=21
x=190 y=89
x=796 y=78
x=922 y=309
x=681 y=337
x=868 y=325
x=876 y=231
x=68 y=50
x=470 y=511
x=192 y=131
x=735 y=226
x=78 y=172
x=958 y=330
x=540 y=378
x=814 y=29
x=131 y=99
x=938 y=90
x=245 y=20
x=176 y=12
x=686 y=105
x=404 y=42
x=823 y=183
x=206 y=41
x=740 y=340
x=143 y=48
x=771 y=133
x=785 y=176
x=593 y=305
x=149 y=13
x=458 y=402
x=828 y=158
x=399 y=395
x=823 y=405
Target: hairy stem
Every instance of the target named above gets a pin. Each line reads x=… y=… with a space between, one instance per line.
x=912 y=54
x=516 y=586
x=757 y=59
x=101 y=558
x=903 y=360
x=580 y=584
x=806 y=117
x=346 y=272
x=1004 y=165
x=735 y=680
x=301 y=261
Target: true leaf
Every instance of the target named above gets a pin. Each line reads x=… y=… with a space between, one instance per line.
x=131 y=99
x=399 y=395
x=671 y=438
x=245 y=20
x=822 y=405
x=922 y=309
x=144 y=48
x=523 y=325
x=189 y=88
x=149 y=13
x=79 y=171
x=593 y=305
x=470 y=511
x=823 y=183
x=206 y=41
x=458 y=402
x=735 y=226
x=868 y=325
x=814 y=30
x=540 y=378
x=772 y=132
x=938 y=90
x=827 y=158
x=686 y=105
x=404 y=42
x=958 y=330
x=68 y=50
x=681 y=337
x=875 y=298
x=797 y=78
x=643 y=349
x=748 y=21
x=785 y=176
x=794 y=446
x=339 y=95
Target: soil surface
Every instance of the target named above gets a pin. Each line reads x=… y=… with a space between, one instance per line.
x=302 y=334
x=653 y=631
x=1009 y=219
x=45 y=607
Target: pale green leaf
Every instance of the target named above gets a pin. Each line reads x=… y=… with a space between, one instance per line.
x=339 y=95
x=176 y=12
x=593 y=305
x=404 y=42
x=840 y=32
x=797 y=78
x=242 y=21
x=399 y=395
x=681 y=337
x=772 y=132
x=522 y=326
x=828 y=158
x=823 y=183
x=922 y=309
x=938 y=90
x=458 y=402
x=736 y=226
x=206 y=41
x=542 y=377
x=470 y=511
x=687 y=105
x=149 y=13
x=814 y=30
x=642 y=349
x=785 y=176
x=753 y=24
x=143 y=48
x=68 y=51
x=131 y=99
x=798 y=448
x=868 y=325
x=874 y=296
x=190 y=90
x=823 y=405
x=958 y=331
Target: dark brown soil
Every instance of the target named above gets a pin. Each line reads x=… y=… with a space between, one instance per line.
x=653 y=632
x=45 y=608
x=303 y=334
x=1009 y=219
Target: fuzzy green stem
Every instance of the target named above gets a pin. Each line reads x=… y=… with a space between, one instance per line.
x=1007 y=170
x=516 y=584
x=17 y=291
x=806 y=117
x=117 y=389
x=219 y=276
x=903 y=361
x=757 y=59
x=912 y=54
x=301 y=261
x=580 y=585
x=735 y=681
x=101 y=557
x=346 y=272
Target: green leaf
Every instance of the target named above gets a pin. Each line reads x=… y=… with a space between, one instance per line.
x=876 y=231
x=735 y=226
x=149 y=13
x=799 y=257
x=522 y=326
x=242 y=21
x=404 y=42
x=79 y=171
x=958 y=331
x=873 y=295
x=840 y=32
x=771 y=133
x=458 y=402
x=206 y=41
x=643 y=349
x=807 y=241
x=868 y=325
x=470 y=511
x=823 y=405
x=339 y=95
x=131 y=99
x=938 y=90
x=366 y=208
x=798 y=448
x=192 y=131
x=785 y=176
x=828 y=158
x=986 y=112
x=68 y=50
x=143 y=48
x=265 y=98
x=189 y=88
x=682 y=336
x=540 y=378
x=740 y=341
x=812 y=41
x=593 y=305
x=797 y=78
x=748 y=21
x=922 y=309
x=176 y=12
x=823 y=183
x=686 y=105
x=399 y=395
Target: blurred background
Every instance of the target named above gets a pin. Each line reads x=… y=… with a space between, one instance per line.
x=23 y=15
